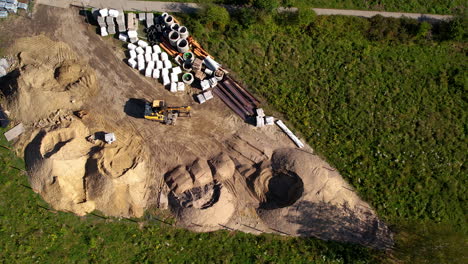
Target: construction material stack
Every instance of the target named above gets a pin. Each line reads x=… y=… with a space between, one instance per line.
x=11 y=6
x=166 y=40
x=121 y=22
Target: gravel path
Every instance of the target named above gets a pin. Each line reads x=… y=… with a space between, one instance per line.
x=177 y=7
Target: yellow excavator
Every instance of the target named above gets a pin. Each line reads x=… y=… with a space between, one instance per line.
x=159 y=111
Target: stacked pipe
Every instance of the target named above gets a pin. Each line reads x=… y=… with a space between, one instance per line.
x=236 y=97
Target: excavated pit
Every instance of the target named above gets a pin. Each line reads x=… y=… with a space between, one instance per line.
x=284 y=188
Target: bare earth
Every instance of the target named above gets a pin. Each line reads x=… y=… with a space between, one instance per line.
x=212 y=171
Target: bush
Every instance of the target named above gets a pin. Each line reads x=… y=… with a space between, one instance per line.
x=382 y=28
x=246 y=17
x=424 y=30
x=305 y=16
x=457 y=28
x=215 y=16
x=267 y=5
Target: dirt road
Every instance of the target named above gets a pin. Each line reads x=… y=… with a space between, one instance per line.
x=192 y=7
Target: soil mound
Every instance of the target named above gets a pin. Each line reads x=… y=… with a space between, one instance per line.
x=223 y=167
x=74 y=175
x=303 y=196
x=49 y=76
x=198 y=199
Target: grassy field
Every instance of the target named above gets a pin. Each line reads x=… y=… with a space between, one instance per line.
x=414 y=6
x=386 y=106
x=383 y=100
x=30 y=232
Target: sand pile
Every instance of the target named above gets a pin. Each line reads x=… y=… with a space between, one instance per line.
x=49 y=76
x=304 y=196
x=70 y=172
x=73 y=174
x=198 y=197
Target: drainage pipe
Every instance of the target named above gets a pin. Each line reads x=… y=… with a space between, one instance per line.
x=175 y=27
x=187 y=66
x=187 y=78
x=173 y=38
x=168 y=20
x=188 y=56
x=183 y=32
x=182 y=45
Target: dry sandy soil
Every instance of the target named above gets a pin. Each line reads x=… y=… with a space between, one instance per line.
x=212 y=171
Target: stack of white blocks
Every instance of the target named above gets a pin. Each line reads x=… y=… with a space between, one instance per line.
x=203 y=97
x=155 y=64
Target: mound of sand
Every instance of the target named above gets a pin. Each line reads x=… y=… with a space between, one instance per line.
x=223 y=167
x=197 y=195
x=72 y=174
x=304 y=196
x=49 y=76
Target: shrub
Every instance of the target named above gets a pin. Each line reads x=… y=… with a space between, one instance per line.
x=246 y=17
x=305 y=16
x=267 y=5
x=215 y=16
x=457 y=28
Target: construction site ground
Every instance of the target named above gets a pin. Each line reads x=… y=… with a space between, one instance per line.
x=212 y=133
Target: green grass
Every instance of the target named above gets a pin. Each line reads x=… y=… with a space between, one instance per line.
x=389 y=114
x=414 y=6
x=32 y=232
x=383 y=100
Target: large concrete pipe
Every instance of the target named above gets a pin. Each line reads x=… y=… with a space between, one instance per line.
x=182 y=45
x=183 y=32
x=187 y=78
x=173 y=38
x=175 y=27
x=188 y=56
x=187 y=66
x=169 y=20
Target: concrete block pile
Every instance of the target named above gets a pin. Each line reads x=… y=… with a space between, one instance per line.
x=110 y=21
x=261 y=119
x=155 y=63
x=11 y=6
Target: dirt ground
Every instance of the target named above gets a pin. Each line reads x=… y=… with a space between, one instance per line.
x=212 y=170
